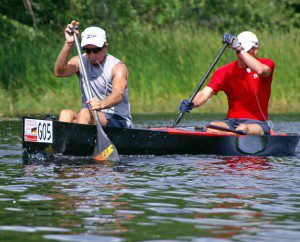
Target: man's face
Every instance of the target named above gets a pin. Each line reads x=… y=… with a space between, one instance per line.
x=252 y=52
x=95 y=54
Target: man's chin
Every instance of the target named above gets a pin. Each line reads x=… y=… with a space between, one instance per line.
x=94 y=62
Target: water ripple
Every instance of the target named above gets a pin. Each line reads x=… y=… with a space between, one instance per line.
x=83 y=238
x=149 y=198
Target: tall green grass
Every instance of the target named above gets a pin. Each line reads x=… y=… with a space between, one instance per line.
x=165 y=66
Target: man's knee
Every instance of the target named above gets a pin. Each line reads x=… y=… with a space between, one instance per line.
x=85 y=116
x=251 y=129
x=65 y=115
x=220 y=124
x=84 y=112
x=242 y=127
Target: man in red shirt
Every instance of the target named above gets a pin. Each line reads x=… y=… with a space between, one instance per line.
x=246 y=83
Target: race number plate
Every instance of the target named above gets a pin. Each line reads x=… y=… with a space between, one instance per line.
x=36 y=130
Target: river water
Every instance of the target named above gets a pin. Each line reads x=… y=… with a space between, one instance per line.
x=149 y=198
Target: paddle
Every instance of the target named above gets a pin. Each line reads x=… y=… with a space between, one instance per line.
x=211 y=126
x=104 y=149
x=202 y=81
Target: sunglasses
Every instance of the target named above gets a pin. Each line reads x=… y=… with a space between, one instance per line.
x=94 y=50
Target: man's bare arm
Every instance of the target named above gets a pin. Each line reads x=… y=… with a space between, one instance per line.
x=120 y=75
x=254 y=64
x=63 y=67
x=203 y=96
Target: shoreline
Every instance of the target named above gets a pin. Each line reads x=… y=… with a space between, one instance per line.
x=190 y=116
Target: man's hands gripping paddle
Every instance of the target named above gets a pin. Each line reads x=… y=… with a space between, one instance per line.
x=104 y=149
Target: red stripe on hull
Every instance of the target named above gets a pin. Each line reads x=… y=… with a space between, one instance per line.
x=189 y=132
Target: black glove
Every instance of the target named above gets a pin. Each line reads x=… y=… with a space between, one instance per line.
x=186 y=106
x=232 y=41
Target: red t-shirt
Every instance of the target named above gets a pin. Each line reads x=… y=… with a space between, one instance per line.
x=239 y=85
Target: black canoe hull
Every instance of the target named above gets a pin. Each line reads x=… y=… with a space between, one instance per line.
x=78 y=140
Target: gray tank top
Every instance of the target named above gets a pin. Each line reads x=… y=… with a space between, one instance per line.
x=100 y=78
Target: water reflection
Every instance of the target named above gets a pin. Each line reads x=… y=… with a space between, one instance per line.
x=242 y=163
x=90 y=190
x=173 y=197
x=147 y=198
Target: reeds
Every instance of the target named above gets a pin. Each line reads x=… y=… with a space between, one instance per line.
x=165 y=66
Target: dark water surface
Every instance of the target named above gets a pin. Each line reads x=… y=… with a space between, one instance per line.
x=149 y=198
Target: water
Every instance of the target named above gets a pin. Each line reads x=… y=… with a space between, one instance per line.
x=149 y=198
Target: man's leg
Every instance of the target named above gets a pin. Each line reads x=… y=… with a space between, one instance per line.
x=220 y=124
x=85 y=116
x=67 y=115
x=254 y=127
x=251 y=129
x=103 y=119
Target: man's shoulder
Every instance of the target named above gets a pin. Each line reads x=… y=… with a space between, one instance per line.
x=116 y=63
x=112 y=58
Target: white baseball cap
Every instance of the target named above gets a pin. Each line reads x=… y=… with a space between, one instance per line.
x=93 y=36
x=248 y=40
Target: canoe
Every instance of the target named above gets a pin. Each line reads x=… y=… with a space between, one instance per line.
x=52 y=137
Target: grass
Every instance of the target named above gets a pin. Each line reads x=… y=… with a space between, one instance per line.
x=165 y=67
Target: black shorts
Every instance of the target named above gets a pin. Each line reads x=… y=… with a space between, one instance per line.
x=234 y=122
x=115 y=120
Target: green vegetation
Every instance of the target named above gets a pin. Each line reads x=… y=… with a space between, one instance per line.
x=167 y=46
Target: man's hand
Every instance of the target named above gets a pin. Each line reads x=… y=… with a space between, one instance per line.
x=68 y=32
x=95 y=104
x=186 y=106
x=232 y=41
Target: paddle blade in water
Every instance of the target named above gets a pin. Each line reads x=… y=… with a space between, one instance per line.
x=104 y=149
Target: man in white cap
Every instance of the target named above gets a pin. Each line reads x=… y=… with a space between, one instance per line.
x=107 y=76
x=246 y=83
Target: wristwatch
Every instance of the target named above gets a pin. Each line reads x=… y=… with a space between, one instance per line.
x=239 y=49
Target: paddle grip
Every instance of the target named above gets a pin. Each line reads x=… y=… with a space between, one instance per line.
x=74 y=28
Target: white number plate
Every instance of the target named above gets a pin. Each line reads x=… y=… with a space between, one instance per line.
x=36 y=130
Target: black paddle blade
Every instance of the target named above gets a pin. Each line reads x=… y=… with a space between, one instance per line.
x=104 y=149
